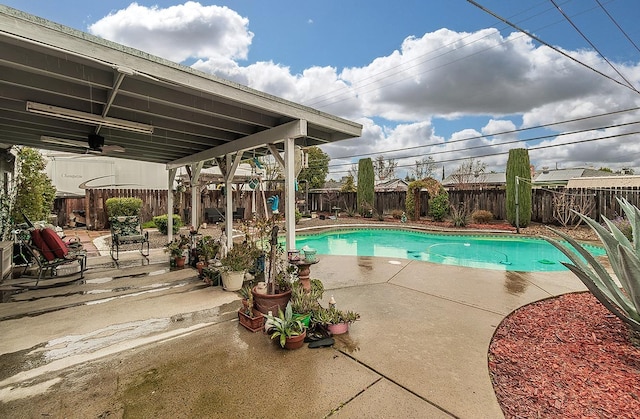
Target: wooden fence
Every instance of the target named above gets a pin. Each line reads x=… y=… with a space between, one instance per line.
x=91 y=209
x=544 y=201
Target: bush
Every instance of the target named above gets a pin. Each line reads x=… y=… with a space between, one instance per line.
x=439 y=206
x=117 y=207
x=397 y=214
x=459 y=215
x=482 y=217
x=161 y=221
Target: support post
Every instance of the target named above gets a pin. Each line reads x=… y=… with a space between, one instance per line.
x=171 y=179
x=290 y=193
x=517 y=205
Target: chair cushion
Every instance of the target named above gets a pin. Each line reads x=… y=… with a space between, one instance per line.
x=55 y=243
x=40 y=244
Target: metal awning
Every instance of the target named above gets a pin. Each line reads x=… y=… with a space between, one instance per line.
x=62 y=89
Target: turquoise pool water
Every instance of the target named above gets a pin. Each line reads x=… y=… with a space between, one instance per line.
x=476 y=251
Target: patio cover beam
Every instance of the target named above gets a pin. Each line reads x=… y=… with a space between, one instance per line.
x=293 y=129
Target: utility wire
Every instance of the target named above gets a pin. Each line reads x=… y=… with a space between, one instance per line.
x=534 y=37
x=534 y=148
x=592 y=45
x=617 y=25
x=476 y=137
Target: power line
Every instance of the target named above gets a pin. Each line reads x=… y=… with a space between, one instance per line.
x=592 y=45
x=476 y=137
x=617 y=25
x=536 y=38
x=534 y=148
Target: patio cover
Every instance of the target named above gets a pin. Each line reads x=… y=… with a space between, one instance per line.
x=60 y=84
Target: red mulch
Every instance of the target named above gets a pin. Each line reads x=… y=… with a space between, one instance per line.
x=565 y=357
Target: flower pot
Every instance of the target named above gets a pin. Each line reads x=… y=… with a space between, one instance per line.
x=232 y=280
x=180 y=261
x=266 y=303
x=254 y=323
x=305 y=319
x=295 y=342
x=338 y=328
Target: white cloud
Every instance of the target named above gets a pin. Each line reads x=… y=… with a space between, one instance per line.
x=180 y=32
x=445 y=74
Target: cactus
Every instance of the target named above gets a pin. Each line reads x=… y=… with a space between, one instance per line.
x=624 y=257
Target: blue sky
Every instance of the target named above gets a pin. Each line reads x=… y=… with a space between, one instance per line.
x=435 y=79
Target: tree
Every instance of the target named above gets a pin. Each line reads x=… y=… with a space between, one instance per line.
x=518 y=166
x=424 y=168
x=366 y=185
x=34 y=191
x=384 y=168
x=469 y=174
x=349 y=184
x=316 y=173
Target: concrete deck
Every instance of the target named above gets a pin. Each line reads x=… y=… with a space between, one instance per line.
x=144 y=341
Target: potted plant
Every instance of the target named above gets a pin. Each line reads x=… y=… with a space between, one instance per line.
x=248 y=316
x=234 y=266
x=290 y=331
x=304 y=303
x=276 y=292
x=336 y=321
x=178 y=248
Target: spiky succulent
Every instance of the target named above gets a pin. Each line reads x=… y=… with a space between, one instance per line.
x=623 y=298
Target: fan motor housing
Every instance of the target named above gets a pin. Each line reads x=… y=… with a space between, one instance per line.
x=96 y=142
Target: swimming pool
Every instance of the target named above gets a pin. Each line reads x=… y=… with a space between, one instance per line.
x=511 y=253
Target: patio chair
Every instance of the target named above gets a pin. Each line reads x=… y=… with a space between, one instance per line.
x=127 y=230
x=49 y=252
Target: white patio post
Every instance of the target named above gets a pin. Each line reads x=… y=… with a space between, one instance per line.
x=196 y=168
x=231 y=166
x=171 y=178
x=290 y=193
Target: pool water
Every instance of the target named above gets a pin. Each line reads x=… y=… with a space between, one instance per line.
x=477 y=251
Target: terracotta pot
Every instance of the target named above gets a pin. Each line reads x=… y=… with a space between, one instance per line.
x=266 y=303
x=295 y=342
x=254 y=323
x=180 y=261
x=338 y=328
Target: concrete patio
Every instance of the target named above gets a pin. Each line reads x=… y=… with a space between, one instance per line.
x=140 y=340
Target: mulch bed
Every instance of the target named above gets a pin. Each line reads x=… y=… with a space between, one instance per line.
x=565 y=357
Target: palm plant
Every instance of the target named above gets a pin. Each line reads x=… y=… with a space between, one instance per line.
x=624 y=257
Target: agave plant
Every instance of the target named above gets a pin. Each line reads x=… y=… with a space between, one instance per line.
x=284 y=325
x=624 y=257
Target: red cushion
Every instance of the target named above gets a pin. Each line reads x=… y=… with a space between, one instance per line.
x=55 y=243
x=40 y=244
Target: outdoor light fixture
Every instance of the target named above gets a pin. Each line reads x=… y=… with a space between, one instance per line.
x=88 y=118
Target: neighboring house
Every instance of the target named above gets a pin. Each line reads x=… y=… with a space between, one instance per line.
x=71 y=173
x=392 y=185
x=483 y=181
x=611 y=181
x=560 y=177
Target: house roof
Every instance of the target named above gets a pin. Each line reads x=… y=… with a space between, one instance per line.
x=60 y=84
x=563 y=175
x=619 y=181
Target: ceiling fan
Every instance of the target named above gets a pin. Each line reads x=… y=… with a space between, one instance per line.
x=94 y=144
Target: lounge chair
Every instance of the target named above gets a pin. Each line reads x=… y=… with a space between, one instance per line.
x=48 y=251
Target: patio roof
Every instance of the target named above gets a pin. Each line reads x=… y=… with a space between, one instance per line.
x=60 y=84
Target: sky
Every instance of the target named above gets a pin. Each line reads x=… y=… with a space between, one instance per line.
x=455 y=81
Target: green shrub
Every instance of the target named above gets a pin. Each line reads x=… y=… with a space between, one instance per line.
x=161 y=221
x=366 y=185
x=518 y=166
x=439 y=206
x=117 y=207
x=482 y=217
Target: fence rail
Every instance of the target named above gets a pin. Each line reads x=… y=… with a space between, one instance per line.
x=545 y=203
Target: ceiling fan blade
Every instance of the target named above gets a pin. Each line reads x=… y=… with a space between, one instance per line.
x=112 y=149
x=63 y=141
